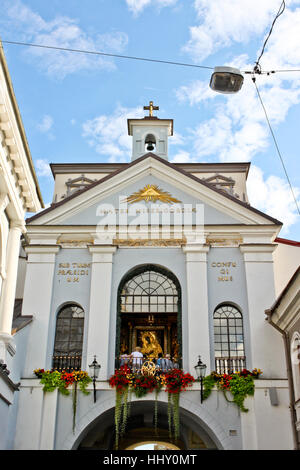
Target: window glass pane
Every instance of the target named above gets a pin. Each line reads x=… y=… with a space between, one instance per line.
x=69 y=331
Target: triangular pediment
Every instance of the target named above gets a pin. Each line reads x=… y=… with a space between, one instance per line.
x=150 y=181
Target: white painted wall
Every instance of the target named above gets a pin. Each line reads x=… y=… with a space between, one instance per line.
x=286 y=261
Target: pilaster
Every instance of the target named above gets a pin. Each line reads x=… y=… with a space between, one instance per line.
x=266 y=343
x=37 y=302
x=197 y=321
x=100 y=301
x=8 y=289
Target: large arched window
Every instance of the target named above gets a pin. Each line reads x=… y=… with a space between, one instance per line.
x=149 y=292
x=68 y=338
x=228 y=339
x=149 y=312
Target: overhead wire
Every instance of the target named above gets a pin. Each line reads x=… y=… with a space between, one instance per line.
x=120 y=56
x=256 y=70
x=276 y=144
x=257 y=67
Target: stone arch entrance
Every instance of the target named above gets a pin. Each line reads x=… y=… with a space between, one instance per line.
x=149 y=312
x=140 y=430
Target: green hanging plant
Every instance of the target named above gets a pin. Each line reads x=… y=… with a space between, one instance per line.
x=54 y=379
x=176 y=381
x=157 y=390
x=170 y=414
x=125 y=383
x=239 y=384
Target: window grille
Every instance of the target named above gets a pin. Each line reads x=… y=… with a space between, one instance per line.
x=68 y=338
x=228 y=340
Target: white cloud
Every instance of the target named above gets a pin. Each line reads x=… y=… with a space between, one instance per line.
x=239 y=130
x=222 y=23
x=273 y=196
x=181 y=157
x=43 y=168
x=195 y=92
x=108 y=134
x=62 y=32
x=46 y=124
x=137 y=6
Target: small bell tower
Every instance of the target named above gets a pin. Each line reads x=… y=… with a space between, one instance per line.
x=150 y=134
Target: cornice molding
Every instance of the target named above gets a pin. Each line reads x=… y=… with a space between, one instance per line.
x=151 y=164
x=16 y=142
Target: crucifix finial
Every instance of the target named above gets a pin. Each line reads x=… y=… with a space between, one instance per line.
x=151 y=108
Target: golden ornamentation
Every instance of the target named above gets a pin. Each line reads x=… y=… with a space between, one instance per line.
x=151 y=192
x=151 y=108
x=148 y=368
x=224 y=241
x=149 y=242
x=151 y=346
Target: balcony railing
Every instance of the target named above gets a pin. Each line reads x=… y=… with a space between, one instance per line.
x=67 y=363
x=227 y=365
x=136 y=364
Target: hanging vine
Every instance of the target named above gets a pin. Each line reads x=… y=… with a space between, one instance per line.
x=239 y=384
x=54 y=379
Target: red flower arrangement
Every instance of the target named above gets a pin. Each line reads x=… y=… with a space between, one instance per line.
x=68 y=378
x=120 y=380
x=177 y=381
x=144 y=384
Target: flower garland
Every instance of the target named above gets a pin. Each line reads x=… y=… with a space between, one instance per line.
x=125 y=382
x=54 y=379
x=239 y=384
x=176 y=382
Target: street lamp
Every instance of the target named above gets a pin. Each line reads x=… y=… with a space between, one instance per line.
x=226 y=80
x=94 y=372
x=200 y=371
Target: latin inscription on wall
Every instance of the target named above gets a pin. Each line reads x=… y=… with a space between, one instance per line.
x=73 y=271
x=225 y=270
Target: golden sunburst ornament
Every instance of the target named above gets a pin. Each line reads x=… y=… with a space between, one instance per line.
x=151 y=192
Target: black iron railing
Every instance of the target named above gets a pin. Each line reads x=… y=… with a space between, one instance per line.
x=227 y=365
x=67 y=363
x=136 y=363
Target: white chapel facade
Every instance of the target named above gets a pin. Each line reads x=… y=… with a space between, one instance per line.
x=188 y=233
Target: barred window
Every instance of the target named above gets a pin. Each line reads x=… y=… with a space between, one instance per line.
x=149 y=292
x=229 y=337
x=69 y=332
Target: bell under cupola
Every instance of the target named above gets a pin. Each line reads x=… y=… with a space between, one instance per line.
x=150 y=134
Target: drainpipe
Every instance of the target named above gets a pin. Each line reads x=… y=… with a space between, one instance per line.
x=290 y=377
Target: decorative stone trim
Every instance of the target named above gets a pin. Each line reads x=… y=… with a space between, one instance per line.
x=4 y=373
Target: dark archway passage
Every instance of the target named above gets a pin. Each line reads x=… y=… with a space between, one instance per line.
x=140 y=429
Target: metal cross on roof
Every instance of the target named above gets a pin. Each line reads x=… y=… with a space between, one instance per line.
x=151 y=108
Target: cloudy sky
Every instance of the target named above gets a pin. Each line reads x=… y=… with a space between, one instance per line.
x=75 y=106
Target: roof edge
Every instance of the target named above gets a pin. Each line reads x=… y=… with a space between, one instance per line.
x=167 y=163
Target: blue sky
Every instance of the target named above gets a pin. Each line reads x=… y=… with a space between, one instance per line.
x=75 y=106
